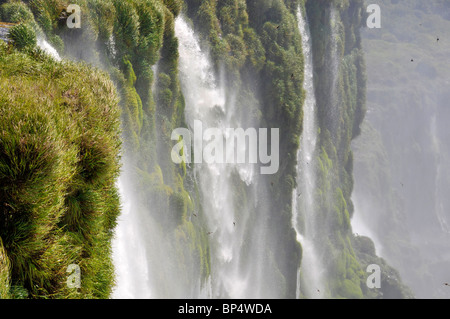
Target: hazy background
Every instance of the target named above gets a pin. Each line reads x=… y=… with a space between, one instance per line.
x=402 y=159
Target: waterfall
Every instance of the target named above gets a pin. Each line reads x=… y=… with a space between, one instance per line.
x=129 y=252
x=44 y=45
x=204 y=100
x=238 y=230
x=237 y=235
x=41 y=43
x=143 y=254
x=310 y=269
x=361 y=226
x=333 y=65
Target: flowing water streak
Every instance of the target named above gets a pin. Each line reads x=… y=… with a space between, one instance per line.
x=310 y=269
x=129 y=253
x=204 y=101
x=210 y=103
x=41 y=43
x=360 y=225
x=145 y=264
x=44 y=45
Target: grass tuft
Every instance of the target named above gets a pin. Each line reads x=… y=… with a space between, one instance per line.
x=59 y=161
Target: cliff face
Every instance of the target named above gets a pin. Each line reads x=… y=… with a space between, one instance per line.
x=401 y=170
x=340 y=82
x=125 y=39
x=256 y=50
x=272 y=73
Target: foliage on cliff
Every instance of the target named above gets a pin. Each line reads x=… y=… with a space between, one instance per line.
x=134 y=42
x=59 y=160
x=258 y=45
x=340 y=85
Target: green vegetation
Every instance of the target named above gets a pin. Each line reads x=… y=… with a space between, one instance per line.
x=340 y=83
x=58 y=166
x=23 y=37
x=259 y=45
x=125 y=38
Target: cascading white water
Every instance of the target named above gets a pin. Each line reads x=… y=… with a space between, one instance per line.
x=203 y=100
x=360 y=225
x=214 y=106
x=41 y=43
x=129 y=253
x=310 y=270
x=44 y=45
x=143 y=254
x=238 y=229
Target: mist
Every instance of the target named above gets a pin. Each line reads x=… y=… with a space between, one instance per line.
x=402 y=157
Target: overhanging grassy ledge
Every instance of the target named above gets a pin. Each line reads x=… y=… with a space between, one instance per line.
x=59 y=161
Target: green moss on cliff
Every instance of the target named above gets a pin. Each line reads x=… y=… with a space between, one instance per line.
x=258 y=44
x=340 y=84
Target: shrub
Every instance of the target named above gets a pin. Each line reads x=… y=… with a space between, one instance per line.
x=23 y=37
x=15 y=12
x=58 y=164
